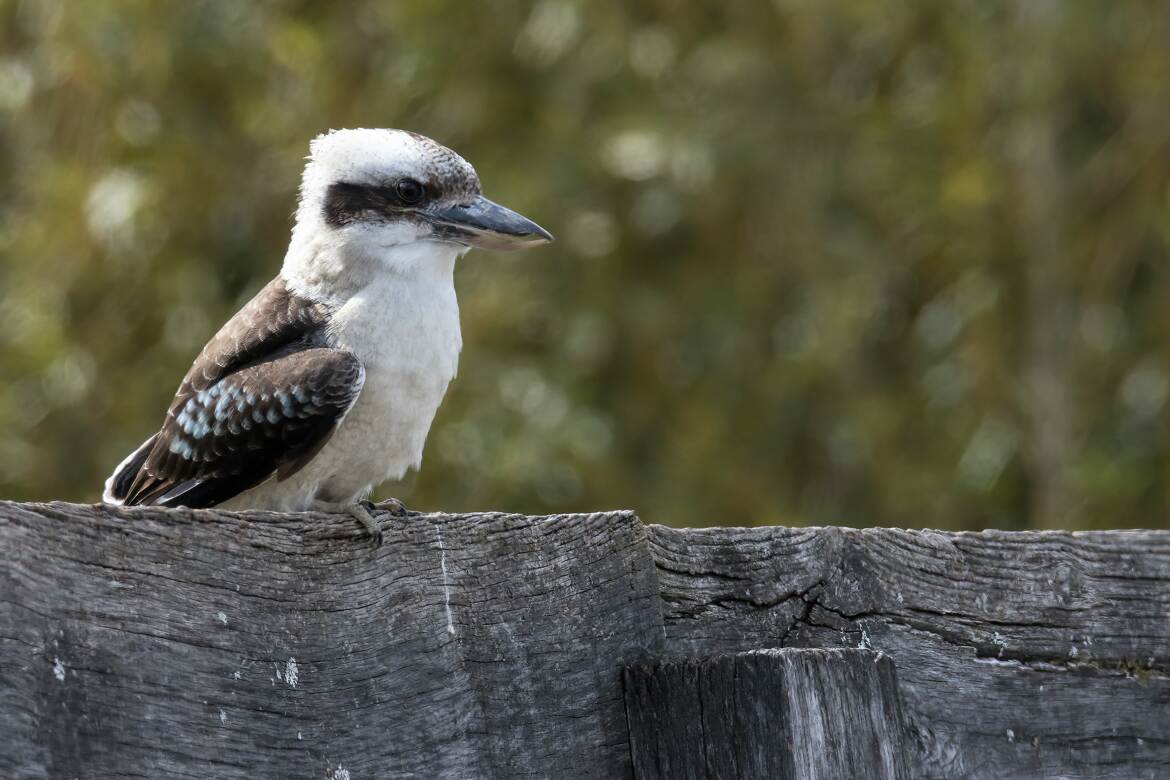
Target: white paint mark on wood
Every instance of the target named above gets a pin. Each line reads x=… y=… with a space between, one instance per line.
x=221 y=617
x=291 y=674
x=58 y=670
x=999 y=662
x=864 y=644
x=446 y=581
x=340 y=773
x=222 y=717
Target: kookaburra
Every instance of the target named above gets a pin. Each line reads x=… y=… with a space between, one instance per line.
x=325 y=384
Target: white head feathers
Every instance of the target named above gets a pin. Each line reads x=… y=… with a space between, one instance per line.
x=373 y=157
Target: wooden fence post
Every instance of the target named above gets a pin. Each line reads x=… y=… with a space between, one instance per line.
x=188 y=644
x=783 y=714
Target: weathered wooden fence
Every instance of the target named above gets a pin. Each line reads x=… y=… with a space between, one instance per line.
x=177 y=644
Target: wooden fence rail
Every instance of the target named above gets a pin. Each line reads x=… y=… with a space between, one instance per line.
x=182 y=644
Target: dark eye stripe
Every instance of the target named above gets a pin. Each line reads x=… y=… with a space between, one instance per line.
x=346 y=203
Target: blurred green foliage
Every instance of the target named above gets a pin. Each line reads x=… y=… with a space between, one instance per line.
x=819 y=262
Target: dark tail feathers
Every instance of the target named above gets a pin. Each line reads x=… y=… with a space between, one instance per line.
x=118 y=485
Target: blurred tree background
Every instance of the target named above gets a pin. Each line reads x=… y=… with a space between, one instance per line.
x=846 y=262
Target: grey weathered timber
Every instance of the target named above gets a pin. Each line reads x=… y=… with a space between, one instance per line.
x=783 y=714
x=180 y=644
x=1019 y=655
x=183 y=644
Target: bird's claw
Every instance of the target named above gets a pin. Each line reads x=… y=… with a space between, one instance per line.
x=368 y=522
x=360 y=513
x=363 y=510
x=391 y=505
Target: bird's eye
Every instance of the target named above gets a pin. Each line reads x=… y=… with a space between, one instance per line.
x=409 y=190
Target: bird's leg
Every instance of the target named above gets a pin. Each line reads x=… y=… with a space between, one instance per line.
x=357 y=511
x=391 y=505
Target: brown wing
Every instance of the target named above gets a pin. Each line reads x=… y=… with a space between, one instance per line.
x=261 y=399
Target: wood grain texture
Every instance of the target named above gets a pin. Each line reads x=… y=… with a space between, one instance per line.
x=781 y=714
x=1023 y=655
x=178 y=644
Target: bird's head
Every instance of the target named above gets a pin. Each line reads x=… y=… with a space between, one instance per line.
x=373 y=189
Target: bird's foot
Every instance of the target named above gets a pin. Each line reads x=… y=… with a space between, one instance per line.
x=358 y=512
x=391 y=505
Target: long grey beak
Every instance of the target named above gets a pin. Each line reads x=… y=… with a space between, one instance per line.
x=486 y=225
